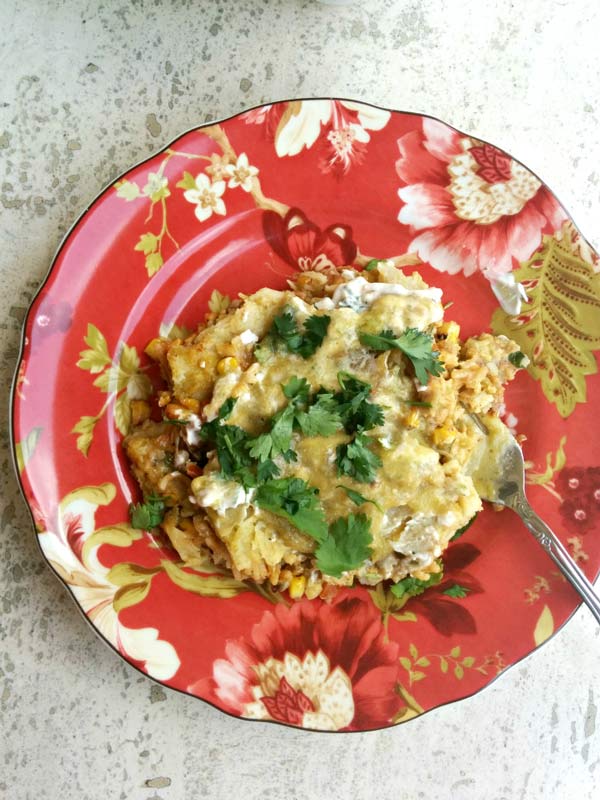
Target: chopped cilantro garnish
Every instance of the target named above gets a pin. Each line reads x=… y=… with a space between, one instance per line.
x=342 y=546
x=357 y=413
x=414 y=586
x=456 y=591
x=227 y=408
x=371 y=265
x=267 y=470
x=417 y=403
x=464 y=528
x=282 y=426
x=294 y=500
x=322 y=418
x=315 y=330
x=230 y=442
x=148 y=514
x=285 y=330
x=517 y=359
x=355 y=460
x=416 y=345
x=346 y=546
x=284 y=333
x=297 y=389
x=358 y=498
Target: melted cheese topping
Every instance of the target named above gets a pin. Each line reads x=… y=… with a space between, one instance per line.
x=423 y=501
x=424 y=491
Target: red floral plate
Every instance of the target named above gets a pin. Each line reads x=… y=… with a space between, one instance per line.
x=244 y=203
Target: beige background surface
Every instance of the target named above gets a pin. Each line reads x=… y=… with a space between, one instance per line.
x=88 y=88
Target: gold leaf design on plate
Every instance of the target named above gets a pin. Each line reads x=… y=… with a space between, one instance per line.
x=170 y=330
x=100 y=495
x=134 y=583
x=218 y=302
x=559 y=328
x=544 y=627
x=119 y=535
x=26 y=448
x=455 y=659
x=214 y=585
x=554 y=463
x=121 y=378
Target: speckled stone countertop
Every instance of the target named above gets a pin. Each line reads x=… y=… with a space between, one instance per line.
x=88 y=89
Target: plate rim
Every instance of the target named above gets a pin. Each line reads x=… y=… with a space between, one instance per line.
x=13 y=394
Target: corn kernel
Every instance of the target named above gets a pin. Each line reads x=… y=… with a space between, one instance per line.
x=228 y=364
x=192 y=404
x=412 y=420
x=173 y=411
x=297 y=587
x=164 y=398
x=156 y=349
x=449 y=331
x=443 y=435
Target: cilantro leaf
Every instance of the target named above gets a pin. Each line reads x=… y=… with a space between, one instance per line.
x=294 y=500
x=297 y=389
x=281 y=430
x=231 y=444
x=266 y=470
x=147 y=515
x=414 y=586
x=357 y=413
x=464 y=528
x=315 y=330
x=322 y=418
x=285 y=330
x=284 y=333
x=371 y=265
x=208 y=431
x=260 y=447
x=277 y=441
x=517 y=359
x=358 y=498
x=416 y=345
x=346 y=546
x=227 y=408
x=456 y=591
x=355 y=460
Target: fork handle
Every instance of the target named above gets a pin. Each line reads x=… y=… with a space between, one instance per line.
x=559 y=553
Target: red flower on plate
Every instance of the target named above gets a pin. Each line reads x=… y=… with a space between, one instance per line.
x=473 y=206
x=580 y=489
x=304 y=245
x=314 y=665
x=74 y=533
x=445 y=612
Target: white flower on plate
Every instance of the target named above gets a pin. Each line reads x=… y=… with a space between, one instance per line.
x=241 y=173
x=156 y=187
x=302 y=123
x=206 y=197
x=70 y=543
x=326 y=695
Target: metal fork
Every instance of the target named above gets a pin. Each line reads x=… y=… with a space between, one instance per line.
x=505 y=484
